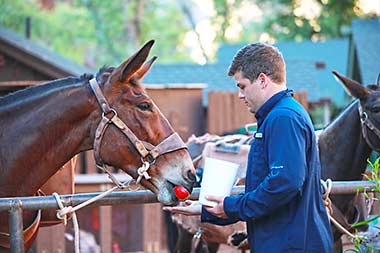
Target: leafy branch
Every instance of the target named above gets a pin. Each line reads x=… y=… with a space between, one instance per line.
x=361 y=242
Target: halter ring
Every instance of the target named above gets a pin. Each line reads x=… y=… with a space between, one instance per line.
x=113 y=116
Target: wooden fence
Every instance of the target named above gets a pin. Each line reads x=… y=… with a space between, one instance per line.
x=226 y=112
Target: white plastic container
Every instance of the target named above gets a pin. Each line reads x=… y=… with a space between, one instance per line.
x=218 y=179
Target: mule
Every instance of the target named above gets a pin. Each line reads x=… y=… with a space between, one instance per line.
x=42 y=127
x=344 y=147
x=348 y=141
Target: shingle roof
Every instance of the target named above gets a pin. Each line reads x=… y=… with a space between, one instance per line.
x=366 y=36
x=300 y=56
x=56 y=65
x=215 y=76
x=302 y=74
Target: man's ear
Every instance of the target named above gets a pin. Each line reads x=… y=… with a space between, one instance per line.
x=263 y=79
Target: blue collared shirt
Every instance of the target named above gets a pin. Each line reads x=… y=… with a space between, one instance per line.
x=282 y=204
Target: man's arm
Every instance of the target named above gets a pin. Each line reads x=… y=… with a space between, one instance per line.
x=287 y=165
x=213 y=215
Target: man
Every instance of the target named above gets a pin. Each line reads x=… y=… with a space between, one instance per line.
x=282 y=203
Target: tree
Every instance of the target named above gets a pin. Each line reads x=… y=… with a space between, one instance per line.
x=94 y=32
x=312 y=19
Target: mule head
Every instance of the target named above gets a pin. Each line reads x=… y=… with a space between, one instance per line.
x=126 y=96
x=369 y=109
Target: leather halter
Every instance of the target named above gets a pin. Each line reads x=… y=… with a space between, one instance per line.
x=147 y=151
x=368 y=124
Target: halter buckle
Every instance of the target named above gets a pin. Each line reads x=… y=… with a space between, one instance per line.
x=148 y=159
x=141 y=149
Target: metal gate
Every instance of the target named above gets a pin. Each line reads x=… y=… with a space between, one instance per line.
x=15 y=205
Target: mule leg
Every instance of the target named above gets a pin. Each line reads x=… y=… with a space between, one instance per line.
x=183 y=244
x=338 y=246
x=171 y=232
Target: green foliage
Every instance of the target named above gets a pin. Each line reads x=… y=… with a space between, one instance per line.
x=374 y=174
x=358 y=241
x=361 y=242
x=360 y=245
x=169 y=28
x=95 y=32
x=361 y=223
x=13 y=13
x=333 y=20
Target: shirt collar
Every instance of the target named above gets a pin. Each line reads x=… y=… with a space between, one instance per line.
x=263 y=111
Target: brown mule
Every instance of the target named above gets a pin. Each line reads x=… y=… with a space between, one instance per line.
x=44 y=126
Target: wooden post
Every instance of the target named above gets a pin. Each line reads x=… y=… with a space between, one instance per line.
x=51 y=239
x=153 y=228
x=105 y=219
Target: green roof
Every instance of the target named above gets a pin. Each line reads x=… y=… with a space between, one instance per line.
x=216 y=78
x=302 y=71
x=213 y=75
x=311 y=61
x=366 y=36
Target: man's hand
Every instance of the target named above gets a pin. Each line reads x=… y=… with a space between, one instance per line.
x=190 y=208
x=218 y=210
x=195 y=208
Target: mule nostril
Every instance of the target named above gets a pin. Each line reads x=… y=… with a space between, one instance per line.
x=191 y=176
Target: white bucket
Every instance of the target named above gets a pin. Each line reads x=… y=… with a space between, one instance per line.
x=218 y=179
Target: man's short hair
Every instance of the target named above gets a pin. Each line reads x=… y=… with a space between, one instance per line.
x=257 y=58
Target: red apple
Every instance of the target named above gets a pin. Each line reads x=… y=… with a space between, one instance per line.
x=181 y=192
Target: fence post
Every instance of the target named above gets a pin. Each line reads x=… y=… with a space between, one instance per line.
x=16 y=227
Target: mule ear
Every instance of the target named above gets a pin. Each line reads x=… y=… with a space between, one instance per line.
x=144 y=69
x=354 y=88
x=134 y=62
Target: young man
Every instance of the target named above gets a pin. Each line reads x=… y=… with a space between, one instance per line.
x=282 y=204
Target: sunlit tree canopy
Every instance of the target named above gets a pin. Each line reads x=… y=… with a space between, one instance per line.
x=94 y=32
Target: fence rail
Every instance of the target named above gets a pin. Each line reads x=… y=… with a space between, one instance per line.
x=15 y=205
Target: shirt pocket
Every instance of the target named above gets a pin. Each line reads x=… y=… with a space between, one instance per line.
x=258 y=151
x=258 y=169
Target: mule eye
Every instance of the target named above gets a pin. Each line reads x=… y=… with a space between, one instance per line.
x=145 y=107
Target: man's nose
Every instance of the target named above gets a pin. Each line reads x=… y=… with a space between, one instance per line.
x=241 y=95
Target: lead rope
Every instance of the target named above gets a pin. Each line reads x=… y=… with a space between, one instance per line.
x=63 y=211
x=64 y=218
x=327 y=185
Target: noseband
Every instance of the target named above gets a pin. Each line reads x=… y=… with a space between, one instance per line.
x=147 y=151
x=366 y=123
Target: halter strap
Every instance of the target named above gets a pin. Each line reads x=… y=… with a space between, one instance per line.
x=147 y=151
x=368 y=124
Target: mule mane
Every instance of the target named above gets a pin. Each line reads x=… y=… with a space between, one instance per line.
x=39 y=89
x=49 y=86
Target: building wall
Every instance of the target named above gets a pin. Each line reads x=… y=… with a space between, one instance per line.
x=182 y=107
x=13 y=70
